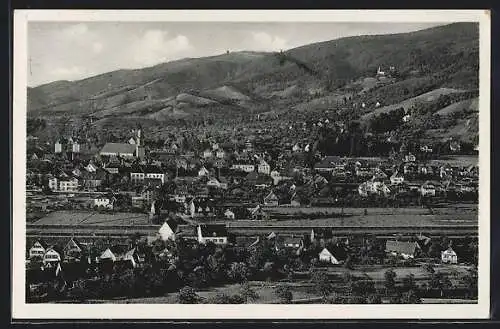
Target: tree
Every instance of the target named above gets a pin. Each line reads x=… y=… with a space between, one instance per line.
x=188 y=295
x=440 y=281
x=248 y=293
x=409 y=282
x=428 y=268
x=390 y=282
x=238 y=272
x=222 y=298
x=470 y=280
x=284 y=293
x=322 y=284
x=374 y=298
x=410 y=297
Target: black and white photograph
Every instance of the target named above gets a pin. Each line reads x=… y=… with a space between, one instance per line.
x=294 y=162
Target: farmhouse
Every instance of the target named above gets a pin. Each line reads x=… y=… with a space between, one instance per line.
x=271 y=199
x=73 y=250
x=216 y=233
x=326 y=256
x=51 y=256
x=404 y=249
x=449 y=256
x=38 y=249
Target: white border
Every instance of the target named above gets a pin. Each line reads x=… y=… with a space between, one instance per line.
x=21 y=310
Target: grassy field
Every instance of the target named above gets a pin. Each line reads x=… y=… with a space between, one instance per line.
x=93 y=218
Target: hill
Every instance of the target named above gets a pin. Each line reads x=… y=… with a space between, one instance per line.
x=311 y=77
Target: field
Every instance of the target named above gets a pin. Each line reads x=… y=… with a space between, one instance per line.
x=93 y=218
x=459 y=160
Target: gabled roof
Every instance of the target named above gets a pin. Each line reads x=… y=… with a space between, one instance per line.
x=401 y=247
x=213 y=230
x=119 y=148
x=42 y=243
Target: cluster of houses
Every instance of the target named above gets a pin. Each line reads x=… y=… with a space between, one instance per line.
x=330 y=251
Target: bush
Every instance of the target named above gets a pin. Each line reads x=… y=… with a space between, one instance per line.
x=284 y=294
x=188 y=295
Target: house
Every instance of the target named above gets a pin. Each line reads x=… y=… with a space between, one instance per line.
x=216 y=233
x=264 y=168
x=167 y=230
x=449 y=256
x=410 y=158
x=135 y=258
x=103 y=202
x=51 y=256
x=38 y=249
x=229 y=214
x=258 y=213
x=328 y=164
x=152 y=172
x=91 y=167
x=220 y=154
x=428 y=189
x=68 y=185
x=213 y=182
x=404 y=249
x=203 y=172
x=111 y=254
x=58 y=146
x=73 y=250
x=223 y=184
x=246 y=167
x=397 y=179
x=292 y=242
x=455 y=146
x=120 y=149
x=271 y=199
x=295 y=200
x=410 y=168
x=207 y=154
x=426 y=149
x=137 y=176
x=326 y=256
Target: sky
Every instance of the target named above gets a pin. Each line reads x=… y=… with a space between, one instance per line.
x=77 y=50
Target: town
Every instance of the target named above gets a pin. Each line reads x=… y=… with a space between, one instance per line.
x=258 y=213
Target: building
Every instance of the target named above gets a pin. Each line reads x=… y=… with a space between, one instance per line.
x=216 y=233
x=203 y=172
x=220 y=154
x=103 y=202
x=229 y=214
x=428 y=189
x=37 y=250
x=271 y=199
x=326 y=256
x=207 y=154
x=449 y=256
x=292 y=242
x=243 y=167
x=264 y=168
x=137 y=177
x=167 y=230
x=410 y=158
x=70 y=185
x=213 y=182
x=404 y=249
x=73 y=250
x=397 y=179
x=120 y=149
x=51 y=256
